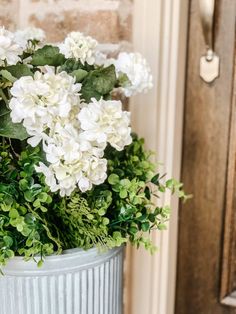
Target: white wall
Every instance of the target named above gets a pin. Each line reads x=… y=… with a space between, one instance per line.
x=160 y=28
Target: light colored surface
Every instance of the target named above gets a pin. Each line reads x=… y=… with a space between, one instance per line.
x=160 y=29
x=78 y=282
x=106 y=20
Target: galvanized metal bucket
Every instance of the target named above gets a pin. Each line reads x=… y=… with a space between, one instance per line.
x=76 y=282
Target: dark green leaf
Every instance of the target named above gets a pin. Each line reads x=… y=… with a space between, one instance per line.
x=99 y=83
x=8 y=76
x=145 y=226
x=8 y=241
x=79 y=75
x=147 y=193
x=3 y=109
x=12 y=130
x=155 y=179
x=48 y=55
x=19 y=70
x=88 y=92
x=29 y=196
x=104 y=80
x=133 y=230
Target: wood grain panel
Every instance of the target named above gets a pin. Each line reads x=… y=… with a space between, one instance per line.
x=207 y=119
x=228 y=278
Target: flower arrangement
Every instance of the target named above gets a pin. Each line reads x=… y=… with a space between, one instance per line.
x=71 y=172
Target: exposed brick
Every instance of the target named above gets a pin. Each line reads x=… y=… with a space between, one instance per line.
x=125 y=12
x=9 y=13
x=105 y=20
x=102 y=25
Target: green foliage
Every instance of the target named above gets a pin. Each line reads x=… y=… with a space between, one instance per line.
x=132 y=186
x=99 y=83
x=71 y=65
x=36 y=222
x=22 y=230
x=81 y=226
x=18 y=71
x=48 y=55
x=10 y=129
x=79 y=74
x=7 y=75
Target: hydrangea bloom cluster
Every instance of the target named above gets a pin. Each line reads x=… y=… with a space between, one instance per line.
x=74 y=134
x=79 y=47
x=137 y=71
x=22 y=37
x=105 y=122
x=71 y=173
x=10 y=50
x=66 y=106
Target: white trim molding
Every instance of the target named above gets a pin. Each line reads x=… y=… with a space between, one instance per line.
x=160 y=34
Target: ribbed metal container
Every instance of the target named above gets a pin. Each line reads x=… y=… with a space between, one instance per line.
x=76 y=282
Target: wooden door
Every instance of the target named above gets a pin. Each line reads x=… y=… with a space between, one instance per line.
x=206 y=271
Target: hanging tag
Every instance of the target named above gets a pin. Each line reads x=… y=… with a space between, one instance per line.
x=209 y=67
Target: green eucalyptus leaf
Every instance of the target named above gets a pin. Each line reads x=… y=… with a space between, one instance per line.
x=48 y=55
x=145 y=226
x=37 y=203
x=43 y=209
x=42 y=197
x=13 y=213
x=123 y=193
x=9 y=253
x=133 y=230
x=29 y=196
x=23 y=184
x=161 y=227
x=105 y=221
x=113 y=179
x=8 y=241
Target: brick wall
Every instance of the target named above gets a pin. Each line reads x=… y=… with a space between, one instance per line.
x=109 y=21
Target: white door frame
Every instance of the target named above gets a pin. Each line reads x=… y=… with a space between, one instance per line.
x=160 y=34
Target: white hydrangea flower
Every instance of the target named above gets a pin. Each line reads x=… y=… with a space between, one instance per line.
x=48 y=104
x=105 y=122
x=137 y=71
x=49 y=176
x=31 y=33
x=78 y=46
x=97 y=171
x=85 y=172
x=9 y=49
x=74 y=135
x=40 y=100
x=101 y=59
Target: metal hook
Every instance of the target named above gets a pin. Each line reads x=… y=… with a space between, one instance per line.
x=209 y=64
x=207 y=8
